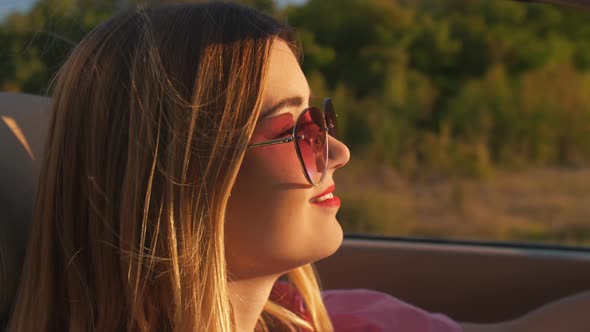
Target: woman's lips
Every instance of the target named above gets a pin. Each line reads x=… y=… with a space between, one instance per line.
x=334 y=201
x=326 y=198
x=328 y=190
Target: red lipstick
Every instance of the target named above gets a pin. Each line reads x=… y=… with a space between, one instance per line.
x=326 y=198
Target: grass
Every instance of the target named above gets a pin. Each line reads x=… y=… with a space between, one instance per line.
x=536 y=205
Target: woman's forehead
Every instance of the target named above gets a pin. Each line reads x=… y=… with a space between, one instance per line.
x=285 y=80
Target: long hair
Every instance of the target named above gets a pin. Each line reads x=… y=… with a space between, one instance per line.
x=151 y=117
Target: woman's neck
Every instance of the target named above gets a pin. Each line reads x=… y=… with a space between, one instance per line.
x=248 y=297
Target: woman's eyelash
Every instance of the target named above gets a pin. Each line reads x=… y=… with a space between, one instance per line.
x=286 y=132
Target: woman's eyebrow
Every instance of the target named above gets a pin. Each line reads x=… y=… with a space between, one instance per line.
x=295 y=101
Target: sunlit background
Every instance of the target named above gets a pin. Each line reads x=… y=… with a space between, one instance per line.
x=466 y=119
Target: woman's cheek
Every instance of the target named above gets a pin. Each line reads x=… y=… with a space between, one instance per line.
x=279 y=164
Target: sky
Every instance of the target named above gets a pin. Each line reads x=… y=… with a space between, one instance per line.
x=8 y=6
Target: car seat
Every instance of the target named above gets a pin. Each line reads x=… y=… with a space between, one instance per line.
x=23 y=124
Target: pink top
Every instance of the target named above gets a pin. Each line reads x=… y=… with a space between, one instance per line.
x=362 y=310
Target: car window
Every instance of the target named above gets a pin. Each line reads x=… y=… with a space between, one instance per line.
x=465 y=119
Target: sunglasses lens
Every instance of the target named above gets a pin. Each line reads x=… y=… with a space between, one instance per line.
x=312 y=143
x=330 y=117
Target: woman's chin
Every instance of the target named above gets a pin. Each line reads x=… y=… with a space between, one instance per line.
x=329 y=244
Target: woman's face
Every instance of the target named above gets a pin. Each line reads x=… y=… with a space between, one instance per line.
x=273 y=222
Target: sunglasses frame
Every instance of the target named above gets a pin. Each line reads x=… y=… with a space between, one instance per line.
x=327 y=128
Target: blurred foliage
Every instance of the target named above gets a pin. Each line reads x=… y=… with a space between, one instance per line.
x=454 y=87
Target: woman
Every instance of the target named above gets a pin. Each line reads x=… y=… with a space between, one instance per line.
x=185 y=173
x=161 y=204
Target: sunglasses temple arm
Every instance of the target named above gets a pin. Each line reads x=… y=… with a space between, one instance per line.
x=273 y=142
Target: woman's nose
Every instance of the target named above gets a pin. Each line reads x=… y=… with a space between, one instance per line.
x=338 y=153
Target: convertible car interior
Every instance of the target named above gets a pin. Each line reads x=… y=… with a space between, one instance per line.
x=469 y=281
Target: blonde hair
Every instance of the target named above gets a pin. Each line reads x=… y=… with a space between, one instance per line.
x=151 y=117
